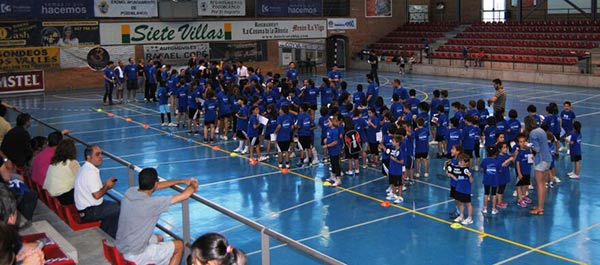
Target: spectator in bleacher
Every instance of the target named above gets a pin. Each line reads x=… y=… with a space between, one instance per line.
x=4 y=125
x=89 y=193
x=27 y=199
x=16 y=144
x=60 y=176
x=139 y=214
x=41 y=161
x=499 y=98
x=12 y=250
x=214 y=249
x=479 y=58
x=374 y=62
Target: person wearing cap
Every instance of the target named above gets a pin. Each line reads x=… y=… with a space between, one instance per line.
x=139 y=214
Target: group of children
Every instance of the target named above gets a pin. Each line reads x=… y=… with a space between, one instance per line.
x=278 y=112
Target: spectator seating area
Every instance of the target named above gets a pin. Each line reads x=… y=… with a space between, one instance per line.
x=541 y=42
x=407 y=39
x=52 y=252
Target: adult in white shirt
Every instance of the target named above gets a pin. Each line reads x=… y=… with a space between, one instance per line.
x=242 y=73
x=60 y=177
x=89 y=193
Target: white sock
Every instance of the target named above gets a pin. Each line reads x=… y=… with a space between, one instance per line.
x=241 y=144
x=314 y=153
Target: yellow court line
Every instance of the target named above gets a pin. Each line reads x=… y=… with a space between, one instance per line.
x=481 y=233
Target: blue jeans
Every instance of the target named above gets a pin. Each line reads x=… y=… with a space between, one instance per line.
x=107 y=213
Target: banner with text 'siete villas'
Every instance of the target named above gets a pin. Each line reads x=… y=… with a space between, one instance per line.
x=209 y=31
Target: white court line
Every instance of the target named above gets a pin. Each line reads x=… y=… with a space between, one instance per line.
x=546 y=102
x=431 y=184
x=64 y=116
x=127 y=138
x=237 y=179
x=585 y=99
x=162 y=151
x=105 y=130
x=304 y=203
x=548 y=244
x=355 y=226
x=592 y=145
x=588 y=114
x=83 y=121
x=77 y=99
x=172 y=162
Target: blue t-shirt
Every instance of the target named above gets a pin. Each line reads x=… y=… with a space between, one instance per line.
x=163 y=95
x=310 y=95
x=409 y=142
x=567 y=118
x=182 y=96
x=253 y=132
x=357 y=98
x=110 y=74
x=421 y=140
x=334 y=75
x=372 y=131
x=373 y=90
x=360 y=125
x=452 y=137
x=326 y=95
x=470 y=135
x=525 y=160
x=402 y=92
x=491 y=168
x=433 y=106
x=514 y=128
x=463 y=185
x=504 y=176
x=553 y=123
x=271 y=125
x=490 y=135
x=333 y=134
x=210 y=110
x=224 y=103
x=150 y=75
x=396 y=109
x=396 y=167
x=292 y=74
x=304 y=124
x=483 y=115
x=414 y=105
x=191 y=99
x=425 y=117
x=388 y=143
x=441 y=123
x=575 y=148
x=242 y=124
x=323 y=125
x=131 y=71
x=285 y=131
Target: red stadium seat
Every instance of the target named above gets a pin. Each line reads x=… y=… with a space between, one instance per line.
x=75 y=222
x=113 y=256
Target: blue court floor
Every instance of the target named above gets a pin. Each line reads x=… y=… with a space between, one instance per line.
x=348 y=222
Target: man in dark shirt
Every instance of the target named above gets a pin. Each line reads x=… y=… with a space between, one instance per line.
x=16 y=144
x=374 y=62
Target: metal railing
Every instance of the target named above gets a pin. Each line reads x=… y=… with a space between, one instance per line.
x=265 y=233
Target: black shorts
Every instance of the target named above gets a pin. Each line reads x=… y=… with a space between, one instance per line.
x=439 y=138
x=323 y=140
x=489 y=190
x=227 y=115
x=421 y=155
x=462 y=197
x=557 y=136
x=351 y=156
x=305 y=142
x=283 y=146
x=132 y=84
x=374 y=148
x=336 y=168
x=254 y=141
x=192 y=113
x=241 y=135
x=575 y=158
x=524 y=181
x=477 y=150
x=409 y=163
x=313 y=107
x=501 y=189
x=452 y=192
x=395 y=180
x=208 y=123
x=385 y=166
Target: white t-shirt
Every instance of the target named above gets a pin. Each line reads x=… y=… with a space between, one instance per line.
x=243 y=72
x=87 y=182
x=60 y=178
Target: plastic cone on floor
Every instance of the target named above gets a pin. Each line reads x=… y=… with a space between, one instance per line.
x=216 y=148
x=128 y=119
x=285 y=171
x=146 y=126
x=385 y=204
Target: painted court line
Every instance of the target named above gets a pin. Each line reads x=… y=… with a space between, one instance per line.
x=588 y=114
x=238 y=179
x=549 y=244
x=355 y=226
x=171 y=162
x=127 y=138
x=161 y=151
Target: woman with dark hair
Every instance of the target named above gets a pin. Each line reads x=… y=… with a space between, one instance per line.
x=541 y=163
x=214 y=249
x=60 y=177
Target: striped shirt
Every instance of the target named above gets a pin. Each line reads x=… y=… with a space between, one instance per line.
x=500 y=102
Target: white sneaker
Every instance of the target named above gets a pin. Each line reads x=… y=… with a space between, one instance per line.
x=494 y=211
x=426 y=175
x=263 y=158
x=530 y=187
x=292 y=154
x=570 y=173
x=365 y=166
x=403 y=188
x=225 y=138
x=349 y=172
x=163 y=124
x=388 y=190
x=562 y=148
x=484 y=211
x=467 y=221
x=568 y=152
x=337 y=183
x=417 y=175
x=390 y=197
x=398 y=200
x=245 y=151
x=356 y=171
x=459 y=219
x=556 y=179
x=315 y=162
x=237 y=150
x=476 y=168
x=172 y=124
x=515 y=193
x=574 y=176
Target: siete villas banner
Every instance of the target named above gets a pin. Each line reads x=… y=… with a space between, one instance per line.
x=212 y=31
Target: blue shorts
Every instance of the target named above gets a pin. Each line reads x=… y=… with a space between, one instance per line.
x=164 y=109
x=182 y=108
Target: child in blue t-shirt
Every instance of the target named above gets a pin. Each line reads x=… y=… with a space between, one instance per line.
x=491 y=168
x=421 y=148
x=464 y=179
x=254 y=131
x=210 y=115
x=181 y=114
x=304 y=125
x=163 y=104
x=575 y=149
x=396 y=170
x=324 y=111
x=523 y=162
x=360 y=125
x=270 y=131
x=504 y=177
x=372 y=130
x=453 y=135
x=567 y=116
x=333 y=143
x=440 y=122
x=242 y=125
x=454 y=152
x=283 y=131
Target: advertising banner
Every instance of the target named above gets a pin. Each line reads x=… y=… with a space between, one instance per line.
x=254 y=51
x=125 y=8
x=378 y=8
x=75 y=57
x=70 y=33
x=20 y=34
x=20 y=82
x=175 y=55
x=341 y=23
x=269 y=30
x=18 y=8
x=221 y=7
x=66 y=8
x=163 y=32
x=289 y=8
x=29 y=58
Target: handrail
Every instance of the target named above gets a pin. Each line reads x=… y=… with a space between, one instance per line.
x=251 y=223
